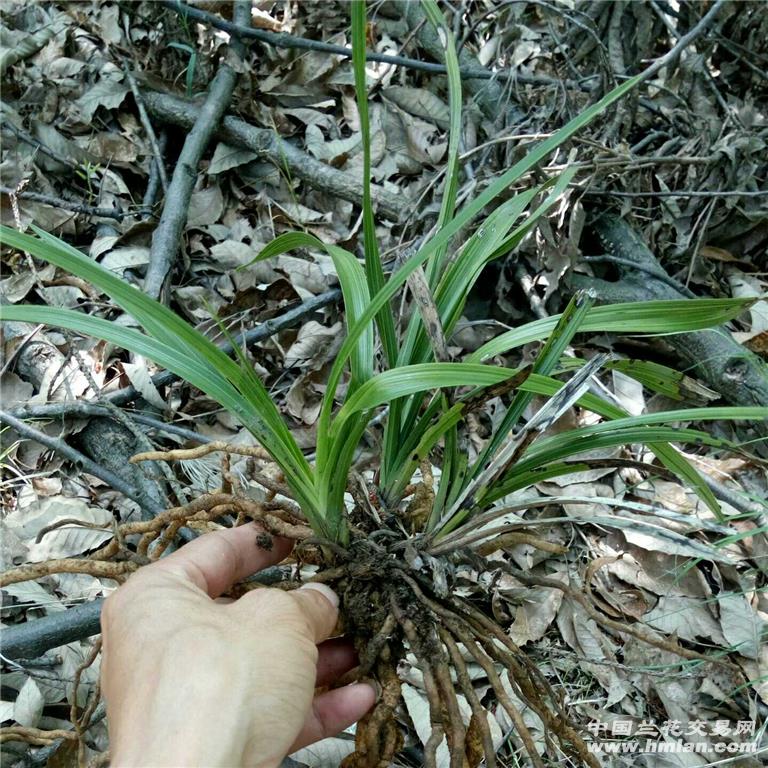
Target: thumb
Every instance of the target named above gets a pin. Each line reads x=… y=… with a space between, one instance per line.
x=319 y=605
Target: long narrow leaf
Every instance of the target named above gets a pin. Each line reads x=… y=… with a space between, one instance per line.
x=373 y=269
x=568 y=325
x=159 y=321
x=653 y=317
x=432 y=12
x=193 y=369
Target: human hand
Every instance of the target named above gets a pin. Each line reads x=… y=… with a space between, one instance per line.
x=191 y=681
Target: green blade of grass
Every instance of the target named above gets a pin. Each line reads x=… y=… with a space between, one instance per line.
x=416 y=348
x=574 y=443
x=443 y=237
x=662 y=379
x=568 y=324
x=353 y=287
x=162 y=324
x=652 y=317
x=452 y=293
x=410 y=379
x=159 y=321
x=426 y=442
x=198 y=372
x=667 y=455
x=453 y=73
x=450 y=476
x=373 y=269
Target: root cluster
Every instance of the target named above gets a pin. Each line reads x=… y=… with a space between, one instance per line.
x=389 y=605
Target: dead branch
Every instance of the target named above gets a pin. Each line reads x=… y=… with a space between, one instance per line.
x=33 y=638
x=269 y=146
x=85 y=463
x=170 y=229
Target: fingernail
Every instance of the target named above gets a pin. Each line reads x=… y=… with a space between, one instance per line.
x=376 y=685
x=325 y=591
x=370 y=687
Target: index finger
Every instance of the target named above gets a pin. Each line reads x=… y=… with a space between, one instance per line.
x=216 y=561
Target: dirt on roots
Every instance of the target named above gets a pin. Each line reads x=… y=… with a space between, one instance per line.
x=392 y=604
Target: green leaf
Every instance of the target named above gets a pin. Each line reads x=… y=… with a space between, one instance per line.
x=653 y=317
x=663 y=379
x=426 y=441
x=353 y=287
x=569 y=322
x=575 y=442
x=175 y=345
x=409 y=379
x=193 y=369
x=373 y=269
x=432 y=12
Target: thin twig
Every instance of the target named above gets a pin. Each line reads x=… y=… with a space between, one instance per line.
x=148 y=129
x=28 y=138
x=153 y=183
x=68 y=205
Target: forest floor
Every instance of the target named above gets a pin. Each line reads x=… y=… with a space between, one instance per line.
x=98 y=99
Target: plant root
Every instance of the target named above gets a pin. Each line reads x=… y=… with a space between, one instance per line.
x=82 y=723
x=185 y=454
x=390 y=607
x=97 y=568
x=479 y=721
x=436 y=716
x=34 y=736
x=115 y=561
x=378 y=737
